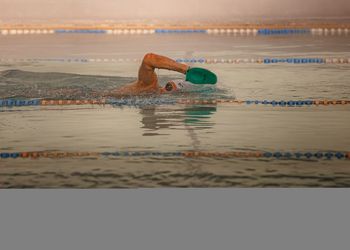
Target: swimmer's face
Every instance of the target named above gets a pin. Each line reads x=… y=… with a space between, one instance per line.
x=169 y=87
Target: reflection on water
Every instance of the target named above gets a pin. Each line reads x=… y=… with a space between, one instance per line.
x=194 y=117
x=197 y=117
x=190 y=118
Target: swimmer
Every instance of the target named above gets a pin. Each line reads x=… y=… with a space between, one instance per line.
x=147 y=82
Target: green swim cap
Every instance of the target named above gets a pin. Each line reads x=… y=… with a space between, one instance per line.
x=200 y=76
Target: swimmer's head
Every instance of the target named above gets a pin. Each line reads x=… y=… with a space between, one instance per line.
x=184 y=86
x=172 y=86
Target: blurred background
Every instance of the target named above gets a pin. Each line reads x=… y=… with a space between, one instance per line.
x=196 y=10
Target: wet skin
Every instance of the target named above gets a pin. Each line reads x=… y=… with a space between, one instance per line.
x=147 y=82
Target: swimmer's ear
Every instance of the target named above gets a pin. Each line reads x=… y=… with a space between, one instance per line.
x=200 y=76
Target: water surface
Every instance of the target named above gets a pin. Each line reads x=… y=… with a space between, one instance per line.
x=161 y=128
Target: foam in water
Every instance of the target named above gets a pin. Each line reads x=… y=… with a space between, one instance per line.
x=54 y=85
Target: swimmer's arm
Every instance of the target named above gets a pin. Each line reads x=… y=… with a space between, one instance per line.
x=147 y=76
x=147 y=81
x=153 y=61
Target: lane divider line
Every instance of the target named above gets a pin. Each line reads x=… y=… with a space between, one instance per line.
x=260 y=60
x=136 y=102
x=299 y=155
x=253 y=30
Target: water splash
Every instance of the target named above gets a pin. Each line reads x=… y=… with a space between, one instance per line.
x=54 y=85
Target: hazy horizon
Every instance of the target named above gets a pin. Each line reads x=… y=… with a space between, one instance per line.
x=196 y=10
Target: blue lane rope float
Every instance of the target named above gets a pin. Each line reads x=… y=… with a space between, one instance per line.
x=167 y=101
x=283 y=31
x=278 y=155
x=16 y=103
x=261 y=60
x=294 y=60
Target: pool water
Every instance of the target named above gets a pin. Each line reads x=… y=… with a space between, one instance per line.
x=151 y=124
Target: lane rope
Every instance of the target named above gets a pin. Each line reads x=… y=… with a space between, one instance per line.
x=268 y=60
x=259 y=60
x=144 y=101
x=302 y=155
x=244 y=31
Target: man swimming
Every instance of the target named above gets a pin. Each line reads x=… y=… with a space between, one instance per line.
x=147 y=81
